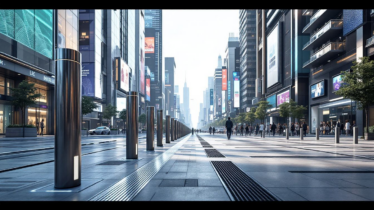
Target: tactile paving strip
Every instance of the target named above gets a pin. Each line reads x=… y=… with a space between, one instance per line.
x=240 y=186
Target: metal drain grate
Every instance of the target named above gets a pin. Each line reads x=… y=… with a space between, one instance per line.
x=299 y=157
x=331 y=172
x=213 y=153
x=113 y=163
x=239 y=185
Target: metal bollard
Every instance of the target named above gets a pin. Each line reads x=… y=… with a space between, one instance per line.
x=172 y=129
x=67 y=121
x=287 y=134
x=301 y=134
x=317 y=133
x=167 y=132
x=132 y=123
x=150 y=127
x=355 y=135
x=159 y=127
x=337 y=135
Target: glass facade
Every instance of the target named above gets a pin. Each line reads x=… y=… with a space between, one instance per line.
x=32 y=28
x=68 y=29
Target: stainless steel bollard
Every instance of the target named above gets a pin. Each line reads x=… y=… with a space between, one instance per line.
x=150 y=127
x=167 y=132
x=172 y=129
x=67 y=122
x=355 y=135
x=132 y=126
x=287 y=134
x=159 y=127
x=337 y=135
x=301 y=134
x=317 y=133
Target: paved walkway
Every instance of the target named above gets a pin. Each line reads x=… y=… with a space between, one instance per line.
x=292 y=170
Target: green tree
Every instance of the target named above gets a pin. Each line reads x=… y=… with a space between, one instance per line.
x=123 y=116
x=251 y=116
x=142 y=118
x=241 y=118
x=261 y=110
x=298 y=111
x=88 y=105
x=109 y=111
x=359 y=85
x=285 y=110
x=23 y=96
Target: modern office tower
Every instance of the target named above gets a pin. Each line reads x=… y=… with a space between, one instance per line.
x=210 y=96
x=140 y=60
x=334 y=39
x=153 y=55
x=186 y=104
x=232 y=64
x=28 y=39
x=247 y=39
x=217 y=94
x=170 y=68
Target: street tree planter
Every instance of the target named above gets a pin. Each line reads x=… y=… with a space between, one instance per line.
x=18 y=132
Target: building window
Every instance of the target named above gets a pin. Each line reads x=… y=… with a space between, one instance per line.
x=10 y=84
x=2 y=85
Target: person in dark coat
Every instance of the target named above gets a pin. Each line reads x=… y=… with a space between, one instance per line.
x=292 y=129
x=214 y=130
x=210 y=130
x=229 y=126
x=273 y=127
x=304 y=128
x=241 y=130
x=246 y=130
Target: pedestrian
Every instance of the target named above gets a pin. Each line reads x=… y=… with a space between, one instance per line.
x=241 y=130
x=297 y=128
x=257 y=128
x=304 y=128
x=228 y=126
x=327 y=128
x=42 y=127
x=273 y=127
x=37 y=127
x=210 y=130
x=268 y=127
x=246 y=130
x=292 y=129
x=342 y=128
x=236 y=129
x=347 y=127
x=261 y=128
x=214 y=130
x=280 y=128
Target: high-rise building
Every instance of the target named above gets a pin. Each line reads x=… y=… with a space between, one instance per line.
x=153 y=56
x=170 y=68
x=210 y=108
x=217 y=93
x=247 y=38
x=186 y=104
x=140 y=70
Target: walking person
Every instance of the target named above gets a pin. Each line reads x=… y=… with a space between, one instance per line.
x=246 y=130
x=304 y=128
x=256 y=129
x=292 y=129
x=210 y=130
x=342 y=128
x=261 y=128
x=297 y=128
x=327 y=128
x=229 y=126
x=268 y=128
x=214 y=130
x=347 y=127
x=37 y=127
x=280 y=128
x=241 y=130
x=42 y=127
x=273 y=127
x=236 y=129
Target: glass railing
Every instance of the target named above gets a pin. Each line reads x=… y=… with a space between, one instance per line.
x=328 y=47
x=314 y=17
x=326 y=27
x=370 y=41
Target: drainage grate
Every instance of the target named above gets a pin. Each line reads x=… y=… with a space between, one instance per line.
x=331 y=172
x=213 y=153
x=113 y=163
x=299 y=157
x=239 y=185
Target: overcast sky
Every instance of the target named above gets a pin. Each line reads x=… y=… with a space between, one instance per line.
x=195 y=38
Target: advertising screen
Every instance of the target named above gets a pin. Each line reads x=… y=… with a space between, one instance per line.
x=224 y=79
x=236 y=76
x=337 y=82
x=272 y=57
x=272 y=100
x=124 y=76
x=142 y=72
x=223 y=101
x=148 y=89
x=317 y=89
x=229 y=90
x=88 y=79
x=211 y=97
x=283 y=97
x=149 y=45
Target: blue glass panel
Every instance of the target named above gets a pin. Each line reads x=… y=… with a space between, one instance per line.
x=24 y=27
x=272 y=100
x=7 y=22
x=352 y=18
x=44 y=32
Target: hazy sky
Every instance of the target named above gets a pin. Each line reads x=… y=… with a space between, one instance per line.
x=195 y=38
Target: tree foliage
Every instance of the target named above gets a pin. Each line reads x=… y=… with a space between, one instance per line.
x=358 y=85
x=109 y=111
x=88 y=105
x=142 y=118
x=23 y=96
x=261 y=110
x=251 y=115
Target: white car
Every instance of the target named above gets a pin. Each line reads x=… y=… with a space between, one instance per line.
x=100 y=130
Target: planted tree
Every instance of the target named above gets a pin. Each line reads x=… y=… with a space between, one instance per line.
x=261 y=110
x=123 y=116
x=251 y=115
x=285 y=110
x=142 y=118
x=358 y=86
x=109 y=112
x=23 y=96
x=88 y=105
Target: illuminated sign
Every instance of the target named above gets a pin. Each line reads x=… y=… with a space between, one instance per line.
x=272 y=57
x=317 y=89
x=229 y=90
x=224 y=79
x=337 y=82
x=223 y=101
x=283 y=97
x=148 y=89
x=149 y=45
x=236 y=77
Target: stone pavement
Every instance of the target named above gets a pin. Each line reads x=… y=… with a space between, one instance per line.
x=292 y=170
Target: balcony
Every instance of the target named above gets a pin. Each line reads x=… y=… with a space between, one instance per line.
x=325 y=53
x=321 y=16
x=330 y=29
x=370 y=42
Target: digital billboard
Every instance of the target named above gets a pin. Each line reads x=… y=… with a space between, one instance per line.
x=229 y=90
x=283 y=97
x=142 y=72
x=122 y=74
x=272 y=57
x=223 y=101
x=224 y=79
x=352 y=19
x=149 y=46
x=211 y=97
x=148 y=89
x=317 y=89
x=88 y=79
x=272 y=100
x=236 y=77
x=337 y=82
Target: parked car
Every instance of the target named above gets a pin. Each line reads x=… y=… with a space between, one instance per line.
x=100 y=130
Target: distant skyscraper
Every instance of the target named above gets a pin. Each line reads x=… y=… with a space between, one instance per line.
x=170 y=69
x=186 y=103
x=232 y=64
x=219 y=62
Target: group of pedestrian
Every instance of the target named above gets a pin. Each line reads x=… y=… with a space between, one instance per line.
x=295 y=128
x=250 y=129
x=212 y=129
